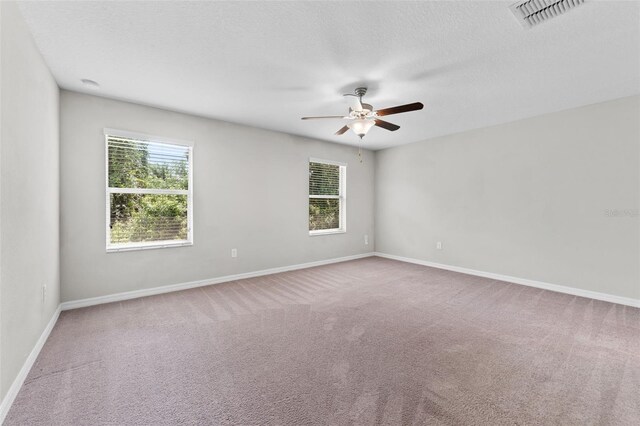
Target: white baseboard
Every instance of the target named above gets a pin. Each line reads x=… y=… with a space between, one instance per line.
x=74 y=304
x=523 y=281
x=26 y=367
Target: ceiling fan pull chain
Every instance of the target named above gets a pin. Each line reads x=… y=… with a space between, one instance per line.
x=360 y=153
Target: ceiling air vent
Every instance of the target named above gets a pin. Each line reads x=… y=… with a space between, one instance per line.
x=533 y=12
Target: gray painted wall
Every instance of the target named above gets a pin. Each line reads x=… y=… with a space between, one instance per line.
x=250 y=193
x=29 y=190
x=527 y=199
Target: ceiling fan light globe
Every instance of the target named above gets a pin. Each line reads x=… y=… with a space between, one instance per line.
x=361 y=126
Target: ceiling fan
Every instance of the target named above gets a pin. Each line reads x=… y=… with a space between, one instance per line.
x=363 y=117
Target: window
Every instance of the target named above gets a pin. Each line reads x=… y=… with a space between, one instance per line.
x=327 y=188
x=149 y=192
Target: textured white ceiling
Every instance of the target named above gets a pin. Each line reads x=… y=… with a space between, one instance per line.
x=266 y=64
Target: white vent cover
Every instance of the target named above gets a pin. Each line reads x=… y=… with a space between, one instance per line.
x=533 y=12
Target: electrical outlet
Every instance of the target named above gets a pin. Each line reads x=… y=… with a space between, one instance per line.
x=366 y=240
x=439 y=245
x=234 y=252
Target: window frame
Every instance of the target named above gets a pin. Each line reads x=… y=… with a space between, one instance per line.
x=146 y=245
x=342 y=198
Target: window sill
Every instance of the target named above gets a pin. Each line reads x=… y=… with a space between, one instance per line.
x=326 y=232
x=148 y=246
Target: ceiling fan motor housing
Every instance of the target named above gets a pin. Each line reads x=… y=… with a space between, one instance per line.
x=367 y=110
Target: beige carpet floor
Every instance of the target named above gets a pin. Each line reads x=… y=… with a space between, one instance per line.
x=372 y=341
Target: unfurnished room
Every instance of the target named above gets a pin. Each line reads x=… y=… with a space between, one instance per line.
x=319 y=212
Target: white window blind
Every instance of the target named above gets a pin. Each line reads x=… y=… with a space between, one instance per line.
x=327 y=182
x=149 y=194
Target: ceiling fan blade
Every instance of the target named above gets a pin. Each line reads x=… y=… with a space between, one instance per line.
x=342 y=130
x=398 y=109
x=354 y=102
x=387 y=125
x=325 y=116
